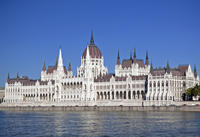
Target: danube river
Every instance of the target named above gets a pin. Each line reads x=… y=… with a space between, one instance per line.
x=93 y=123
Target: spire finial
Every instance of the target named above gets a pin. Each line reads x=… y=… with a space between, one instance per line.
x=44 y=66
x=118 y=58
x=92 y=39
x=147 y=58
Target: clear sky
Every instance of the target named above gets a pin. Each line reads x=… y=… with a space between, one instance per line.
x=32 y=31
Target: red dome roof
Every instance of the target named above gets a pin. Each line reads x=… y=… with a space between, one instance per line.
x=93 y=49
x=94 y=52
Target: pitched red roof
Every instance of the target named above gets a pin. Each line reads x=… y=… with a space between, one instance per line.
x=140 y=62
x=25 y=81
x=183 y=69
x=94 y=52
x=120 y=78
x=180 y=71
x=128 y=63
x=51 y=69
x=143 y=77
x=104 y=78
x=158 y=72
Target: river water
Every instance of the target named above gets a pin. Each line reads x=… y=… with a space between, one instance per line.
x=94 y=123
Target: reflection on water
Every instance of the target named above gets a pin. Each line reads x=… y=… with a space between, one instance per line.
x=93 y=123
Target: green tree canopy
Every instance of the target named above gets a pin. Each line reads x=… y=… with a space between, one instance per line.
x=193 y=92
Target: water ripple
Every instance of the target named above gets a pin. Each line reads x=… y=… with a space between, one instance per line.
x=103 y=124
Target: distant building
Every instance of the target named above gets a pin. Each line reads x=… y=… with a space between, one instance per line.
x=134 y=83
x=2 y=94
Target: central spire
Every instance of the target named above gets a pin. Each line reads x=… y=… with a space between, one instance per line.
x=92 y=40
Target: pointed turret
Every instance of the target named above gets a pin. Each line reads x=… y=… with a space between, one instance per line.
x=44 y=67
x=118 y=58
x=195 y=71
x=134 y=59
x=60 y=60
x=147 y=59
x=168 y=67
x=91 y=40
x=69 y=67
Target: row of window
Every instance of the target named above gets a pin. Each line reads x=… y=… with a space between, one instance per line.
x=69 y=96
x=28 y=90
x=121 y=86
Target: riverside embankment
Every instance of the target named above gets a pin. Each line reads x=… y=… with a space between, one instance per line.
x=106 y=108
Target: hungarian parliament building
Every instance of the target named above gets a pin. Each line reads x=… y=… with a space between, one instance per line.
x=134 y=83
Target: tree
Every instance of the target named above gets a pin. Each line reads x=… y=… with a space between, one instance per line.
x=193 y=92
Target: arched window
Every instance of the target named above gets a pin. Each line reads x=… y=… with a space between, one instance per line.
x=150 y=84
x=154 y=84
x=158 y=84
x=167 y=84
x=184 y=84
x=162 y=84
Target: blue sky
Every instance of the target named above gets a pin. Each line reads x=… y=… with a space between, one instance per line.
x=32 y=31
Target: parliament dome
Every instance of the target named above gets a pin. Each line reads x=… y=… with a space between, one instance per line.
x=93 y=50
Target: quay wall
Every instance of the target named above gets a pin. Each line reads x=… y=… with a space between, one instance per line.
x=101 y=108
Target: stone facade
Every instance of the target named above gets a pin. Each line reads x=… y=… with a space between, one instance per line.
x=135 y=83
